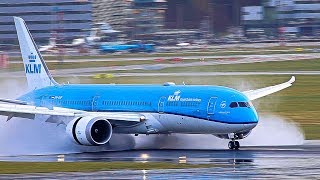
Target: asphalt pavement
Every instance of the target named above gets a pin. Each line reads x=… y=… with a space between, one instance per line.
x=260 y=162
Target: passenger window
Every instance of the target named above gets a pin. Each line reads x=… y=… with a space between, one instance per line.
x=234 y=105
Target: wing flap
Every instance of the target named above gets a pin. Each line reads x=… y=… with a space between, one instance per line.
x=13 y=101
x=29 y=109
x=258 y=93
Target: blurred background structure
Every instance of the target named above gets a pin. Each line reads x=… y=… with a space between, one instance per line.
x=46 y=18
x=162 y=22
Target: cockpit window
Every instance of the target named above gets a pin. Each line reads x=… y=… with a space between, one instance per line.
x=233 y=105
x=242 y=104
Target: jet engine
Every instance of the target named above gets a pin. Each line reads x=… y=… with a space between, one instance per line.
x=90 y=131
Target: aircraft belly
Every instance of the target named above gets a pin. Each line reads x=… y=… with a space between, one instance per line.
x=179 y=124
x=150 y=126
x=161 y=123
x=184 y=124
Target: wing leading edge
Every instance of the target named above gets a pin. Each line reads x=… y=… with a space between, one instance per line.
x=30 y=112
x=258 y=93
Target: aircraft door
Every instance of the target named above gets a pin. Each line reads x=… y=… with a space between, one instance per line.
x=95 y=103
x=161 y=104
x=211 y=105
x=47 y=101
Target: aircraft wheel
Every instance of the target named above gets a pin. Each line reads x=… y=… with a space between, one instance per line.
x=236 y=145
x=231 y=145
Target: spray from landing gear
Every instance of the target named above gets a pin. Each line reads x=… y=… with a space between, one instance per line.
x=272 y=130
x=31 y=137
x=26 y=137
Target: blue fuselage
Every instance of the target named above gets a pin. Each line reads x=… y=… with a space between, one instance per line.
x=213 y=103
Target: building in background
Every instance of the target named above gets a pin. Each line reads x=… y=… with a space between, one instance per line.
x=146 y=18
x=301 y=16
x=283 y=17
x=63 y=19
x=66 y=20
x=113 y=12
x=220 y=14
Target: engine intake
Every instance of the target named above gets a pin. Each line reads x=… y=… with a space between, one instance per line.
x=90 y=131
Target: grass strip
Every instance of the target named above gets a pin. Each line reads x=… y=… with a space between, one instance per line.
x=290 y=65
x=296 y=65
x=49 y=167
x=207 y=52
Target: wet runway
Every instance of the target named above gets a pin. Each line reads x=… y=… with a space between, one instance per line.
x=279 y=162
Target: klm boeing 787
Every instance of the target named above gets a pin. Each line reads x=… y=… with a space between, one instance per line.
x=91 y=113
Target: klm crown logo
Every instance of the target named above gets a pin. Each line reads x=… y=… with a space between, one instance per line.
x=175 y=96
x=31 y=67
x=32 y=58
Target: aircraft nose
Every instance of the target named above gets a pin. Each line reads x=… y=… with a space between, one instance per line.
x=248 y=116
x=249 y=119
x=253 y=115
x=250 y=126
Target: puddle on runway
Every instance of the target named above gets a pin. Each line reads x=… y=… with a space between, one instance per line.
x=249 y=163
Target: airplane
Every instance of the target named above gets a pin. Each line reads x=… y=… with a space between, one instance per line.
x=106 y=28
x=92 y=113
x=90 y=40
x=50 y=47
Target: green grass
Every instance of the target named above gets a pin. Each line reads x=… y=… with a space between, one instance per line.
x=48 y=167
x=206 y=51
x=297 y=65
x=72 y=65
x=300 y=65
x=311 y=131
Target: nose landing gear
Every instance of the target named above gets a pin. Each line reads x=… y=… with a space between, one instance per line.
x=234 y=145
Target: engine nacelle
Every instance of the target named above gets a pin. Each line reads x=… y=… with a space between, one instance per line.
x=90 y=131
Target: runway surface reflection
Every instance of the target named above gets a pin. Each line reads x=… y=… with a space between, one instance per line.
x=278 y=162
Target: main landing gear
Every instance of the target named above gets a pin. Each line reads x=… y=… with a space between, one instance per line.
x=234 y=145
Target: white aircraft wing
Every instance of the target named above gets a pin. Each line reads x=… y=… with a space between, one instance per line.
x=258 y=93
x=13 y=101
x=30 y=111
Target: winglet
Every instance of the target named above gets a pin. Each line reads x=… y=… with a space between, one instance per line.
x=292 y=80
x=258 y=93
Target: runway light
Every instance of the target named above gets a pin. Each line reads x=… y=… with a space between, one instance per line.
x=60 y=158
x=182 y=159
x=144 y=177
x=144 y=156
